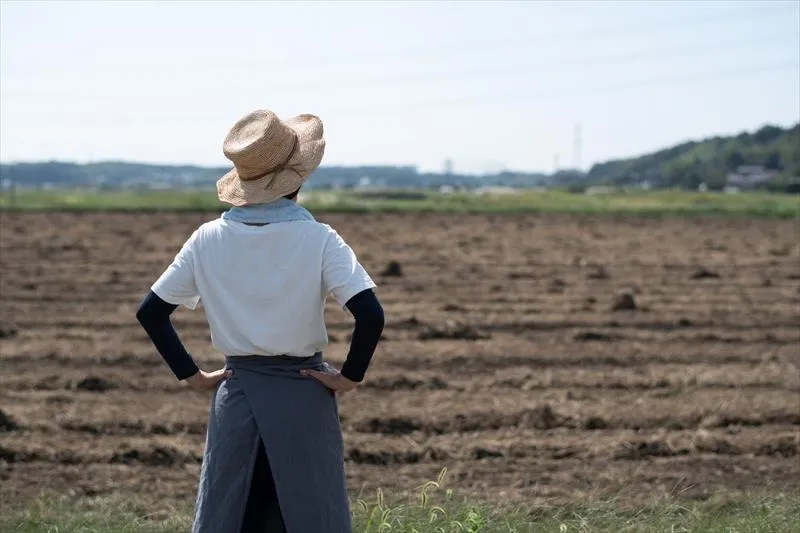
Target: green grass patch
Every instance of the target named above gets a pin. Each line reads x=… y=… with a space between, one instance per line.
x=433 y=509
x=631 y=203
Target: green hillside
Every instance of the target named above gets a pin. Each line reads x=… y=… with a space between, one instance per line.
x=709 y=161
x=685 y=165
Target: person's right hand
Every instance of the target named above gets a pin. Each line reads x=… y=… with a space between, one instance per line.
x=207 y=380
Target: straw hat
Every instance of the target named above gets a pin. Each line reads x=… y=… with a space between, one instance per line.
x=271 y=157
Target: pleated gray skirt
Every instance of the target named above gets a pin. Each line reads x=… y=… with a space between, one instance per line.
x=266 y=402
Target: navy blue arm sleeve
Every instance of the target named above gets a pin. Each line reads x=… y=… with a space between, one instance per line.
x=154 y=316
x=368 y=314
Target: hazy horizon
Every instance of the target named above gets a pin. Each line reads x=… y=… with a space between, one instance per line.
x=491 y=86
x=355 y=165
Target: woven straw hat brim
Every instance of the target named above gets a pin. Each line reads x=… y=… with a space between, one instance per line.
x=306 y=158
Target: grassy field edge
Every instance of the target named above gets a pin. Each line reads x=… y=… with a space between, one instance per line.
x=657 y=203
x=433 y=508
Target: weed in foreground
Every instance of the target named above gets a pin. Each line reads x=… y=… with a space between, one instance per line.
x=432 y=508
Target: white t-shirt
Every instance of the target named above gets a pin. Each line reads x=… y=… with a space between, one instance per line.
x=264 y=287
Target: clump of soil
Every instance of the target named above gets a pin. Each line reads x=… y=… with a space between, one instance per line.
x=95 y=384
x=641 y=449
x=542 y=417
x=589 y=336
x=8 y=331
x=404 y=383
x=599 y=272
x=411 y=322
x=7 y=423
x=483 y=453
x=453 y=331
x=624 y=302
x=782 y=447
x=783 y=251
x=159 y=456
x=13 y=456
x=556 y=286
x=704 y=273
x=594 y=422
x=389 y=426
x=384 y=458
x=708 y=443
x=393 y=270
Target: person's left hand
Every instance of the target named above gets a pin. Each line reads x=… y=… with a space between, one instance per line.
x=331 y=378
x=208 y=380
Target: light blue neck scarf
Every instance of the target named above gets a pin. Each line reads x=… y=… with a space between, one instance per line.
x=281 y=210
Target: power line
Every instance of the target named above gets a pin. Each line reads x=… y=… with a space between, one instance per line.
x=519 y=97
x=637 y=27
x=684 y=51
x=604 y=31
x=668 y=53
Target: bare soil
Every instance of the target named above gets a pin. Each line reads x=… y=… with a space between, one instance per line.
x=538 y=358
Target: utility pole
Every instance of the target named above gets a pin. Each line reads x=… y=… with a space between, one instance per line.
x=7 y=187
x=448 y=167
x=576 y=148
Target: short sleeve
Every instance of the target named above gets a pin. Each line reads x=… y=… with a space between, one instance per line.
x=342 y=275
x=176 y=285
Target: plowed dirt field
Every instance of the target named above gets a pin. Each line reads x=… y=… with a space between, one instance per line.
x=538 y=358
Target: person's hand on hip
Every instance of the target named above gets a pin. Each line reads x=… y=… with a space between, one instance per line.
x=331 y=378
x=207 y=380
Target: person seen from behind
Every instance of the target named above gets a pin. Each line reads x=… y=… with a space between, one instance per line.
x=274 y=457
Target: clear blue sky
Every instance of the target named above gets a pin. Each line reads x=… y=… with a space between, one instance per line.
x=489 y=84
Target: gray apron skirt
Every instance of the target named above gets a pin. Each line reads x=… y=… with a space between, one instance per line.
x=267 y=420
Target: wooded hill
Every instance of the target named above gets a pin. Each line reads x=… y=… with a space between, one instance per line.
x=776 y=151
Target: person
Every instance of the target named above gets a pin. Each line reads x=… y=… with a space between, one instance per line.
x=273 y=458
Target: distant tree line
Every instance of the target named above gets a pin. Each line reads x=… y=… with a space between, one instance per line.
x=690 y=164
x=114 y=175
x=687 y=165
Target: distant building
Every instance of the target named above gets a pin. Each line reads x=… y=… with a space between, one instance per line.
x=496 y=190
x=749 y=176
x=600 y=189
